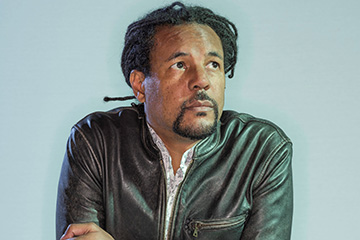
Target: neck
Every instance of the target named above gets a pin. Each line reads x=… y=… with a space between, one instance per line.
x=176 y=146
x=176 y=151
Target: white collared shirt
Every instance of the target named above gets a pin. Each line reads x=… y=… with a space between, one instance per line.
x=172 y=181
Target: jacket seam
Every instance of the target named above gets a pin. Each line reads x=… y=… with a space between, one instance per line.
x=90 y=147
x=268 y=160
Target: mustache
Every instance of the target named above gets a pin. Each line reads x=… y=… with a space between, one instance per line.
x=200 y=96
x=203 y=96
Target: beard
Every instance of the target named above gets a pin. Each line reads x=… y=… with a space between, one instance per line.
x=191 y=131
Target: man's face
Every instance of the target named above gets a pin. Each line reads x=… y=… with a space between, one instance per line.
x=184 y=94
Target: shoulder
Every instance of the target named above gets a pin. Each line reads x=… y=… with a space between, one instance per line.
x=107 y=121
x=264 y=143
x=101 y=126
x=106 y=130
x=243 y=124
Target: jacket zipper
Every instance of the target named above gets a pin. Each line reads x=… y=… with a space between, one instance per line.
x=201 y=225
x=175 y=200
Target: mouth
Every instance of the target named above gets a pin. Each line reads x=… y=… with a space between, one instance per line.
x=200 y=105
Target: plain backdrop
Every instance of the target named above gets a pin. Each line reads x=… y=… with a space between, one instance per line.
x=298 y=66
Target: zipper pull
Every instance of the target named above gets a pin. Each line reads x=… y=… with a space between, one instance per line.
x=196 y=229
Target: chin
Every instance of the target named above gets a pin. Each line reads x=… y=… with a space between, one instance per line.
x=199 y=128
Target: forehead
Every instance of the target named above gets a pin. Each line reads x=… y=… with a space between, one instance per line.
x=186 y=36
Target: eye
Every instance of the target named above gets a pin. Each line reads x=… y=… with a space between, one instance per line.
x=214 y=65
x=179 y=65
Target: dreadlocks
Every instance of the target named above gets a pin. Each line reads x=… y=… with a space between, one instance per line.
x=140 y=34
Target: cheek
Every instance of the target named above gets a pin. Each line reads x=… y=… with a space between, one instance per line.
x=152 y=94
x=173 y=93
x=219 y=87
x=171 y=99
x=162 y=99
x=220 y=94
x=221 y=100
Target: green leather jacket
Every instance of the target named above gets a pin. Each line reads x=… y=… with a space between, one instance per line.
x=238 y=186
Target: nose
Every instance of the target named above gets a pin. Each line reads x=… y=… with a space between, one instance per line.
x=198 y=79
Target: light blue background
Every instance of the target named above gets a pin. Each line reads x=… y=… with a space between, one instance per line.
x=298 y=66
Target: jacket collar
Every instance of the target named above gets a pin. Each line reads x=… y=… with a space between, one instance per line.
x=202 y=150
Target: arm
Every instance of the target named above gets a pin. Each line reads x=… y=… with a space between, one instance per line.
x=271 y=214
x=80 y=188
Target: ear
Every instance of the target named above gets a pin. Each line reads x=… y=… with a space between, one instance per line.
x=136 y=81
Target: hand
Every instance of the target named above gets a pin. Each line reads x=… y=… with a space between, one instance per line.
x=85 y=231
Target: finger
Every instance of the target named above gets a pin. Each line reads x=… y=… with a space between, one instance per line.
x=79 y=229
x=88 y=236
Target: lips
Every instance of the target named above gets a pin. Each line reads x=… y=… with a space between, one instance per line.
x=203 y=105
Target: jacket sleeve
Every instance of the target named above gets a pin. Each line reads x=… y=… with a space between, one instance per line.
x=80 y=189
x=272 y=198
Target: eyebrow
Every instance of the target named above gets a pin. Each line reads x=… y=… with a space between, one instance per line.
x=182 y=54
x=176 y=55
x=215 y=54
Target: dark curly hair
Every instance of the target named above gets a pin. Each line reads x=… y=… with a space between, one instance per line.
x=140 y=34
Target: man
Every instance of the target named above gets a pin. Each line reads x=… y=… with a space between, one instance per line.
x=176 y=166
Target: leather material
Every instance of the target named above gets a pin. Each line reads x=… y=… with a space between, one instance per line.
x=238 y=186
